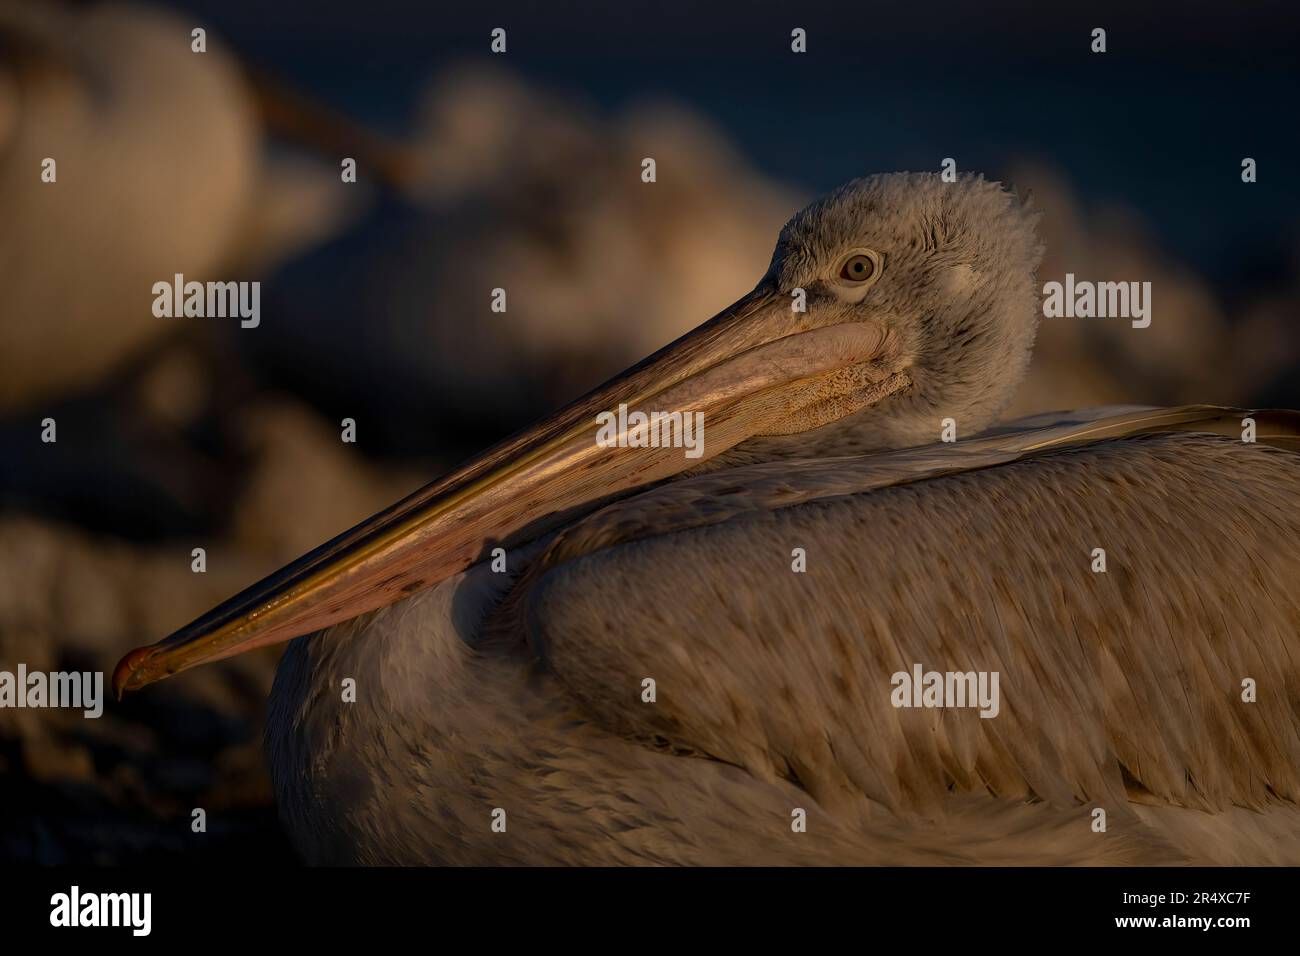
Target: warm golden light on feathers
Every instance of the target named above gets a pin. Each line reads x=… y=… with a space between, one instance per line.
x=822 y=434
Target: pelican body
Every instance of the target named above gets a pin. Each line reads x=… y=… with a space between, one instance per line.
x=572 y=651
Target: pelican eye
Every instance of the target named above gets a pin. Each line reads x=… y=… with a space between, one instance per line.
x=858 y=268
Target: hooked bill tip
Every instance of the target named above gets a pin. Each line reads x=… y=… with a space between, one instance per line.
x=125 y=672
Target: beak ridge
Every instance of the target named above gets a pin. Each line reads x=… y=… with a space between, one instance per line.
x=746 y=371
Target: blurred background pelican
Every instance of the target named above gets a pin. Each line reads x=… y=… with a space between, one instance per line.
x=520 y=171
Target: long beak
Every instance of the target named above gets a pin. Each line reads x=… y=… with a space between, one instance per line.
x=758 y=368
x=298 y=117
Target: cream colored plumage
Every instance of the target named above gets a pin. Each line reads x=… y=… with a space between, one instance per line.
x=154 y=153
x=518 y=697
x=1121 y=690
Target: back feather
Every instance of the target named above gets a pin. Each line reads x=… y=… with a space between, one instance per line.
x=1116 y=687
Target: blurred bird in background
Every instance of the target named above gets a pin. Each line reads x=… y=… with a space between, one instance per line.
x=175 y=434
x=522 y=692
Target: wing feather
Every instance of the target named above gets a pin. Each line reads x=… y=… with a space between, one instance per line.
x=1117 y=689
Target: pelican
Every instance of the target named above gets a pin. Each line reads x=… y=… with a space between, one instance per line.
x=569 y=651
x=156 y=166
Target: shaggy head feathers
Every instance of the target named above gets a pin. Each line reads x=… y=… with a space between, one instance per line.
x=957 y=287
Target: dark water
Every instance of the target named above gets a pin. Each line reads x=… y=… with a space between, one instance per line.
x=1158 y=123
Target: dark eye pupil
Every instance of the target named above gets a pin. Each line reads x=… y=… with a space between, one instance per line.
x=859 y=267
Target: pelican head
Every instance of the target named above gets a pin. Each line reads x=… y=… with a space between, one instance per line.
x=948 y=269
x=892 y=303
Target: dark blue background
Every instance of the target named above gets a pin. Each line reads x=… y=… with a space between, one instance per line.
x=1159 y=123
